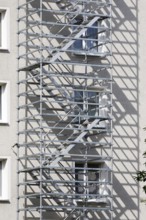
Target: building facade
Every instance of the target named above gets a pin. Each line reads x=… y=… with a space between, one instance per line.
x=72 y=109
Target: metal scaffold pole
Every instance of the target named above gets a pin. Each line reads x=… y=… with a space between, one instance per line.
x=65 y=109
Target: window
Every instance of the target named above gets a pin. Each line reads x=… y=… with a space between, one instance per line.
x=91 y=44
x=87 y=102
x=90 y=181
x=4 y=28
x=4 y=178
x=4 y=100
x=87 y=177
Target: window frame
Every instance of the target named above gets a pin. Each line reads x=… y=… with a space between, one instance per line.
x=79 y=166
x=4 y=29
x=4 y=102
x=5 y=178
x=102 y=196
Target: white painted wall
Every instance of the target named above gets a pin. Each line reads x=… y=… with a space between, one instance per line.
x=129 y=34
x=129 y=59
x=8 y=65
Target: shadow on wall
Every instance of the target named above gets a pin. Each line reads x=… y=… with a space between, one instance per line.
x=125 y=106
x=125 y=102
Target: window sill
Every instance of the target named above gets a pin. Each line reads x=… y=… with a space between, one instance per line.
x=100 y=201
x=4 y=199
x=4 y=122
x=4 y=49
x=90 y=53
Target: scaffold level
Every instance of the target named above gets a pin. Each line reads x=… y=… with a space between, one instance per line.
x=64 y=110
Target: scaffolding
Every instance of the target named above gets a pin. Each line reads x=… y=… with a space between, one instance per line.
x=64 y=109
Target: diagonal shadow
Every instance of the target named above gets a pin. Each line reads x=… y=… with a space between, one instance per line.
x=125 y=105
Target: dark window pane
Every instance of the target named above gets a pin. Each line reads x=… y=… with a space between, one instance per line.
x=78 y=45
x=90 y=173
x=79 y=98
x=92 y=34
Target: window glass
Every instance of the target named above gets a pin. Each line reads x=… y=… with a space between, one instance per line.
x=79 y=176
x=84 y=44
x=87 y=101
x=79 y=98
x=91 y=34
x=89 y=178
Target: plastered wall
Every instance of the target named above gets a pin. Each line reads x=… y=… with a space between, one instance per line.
x=129 y=107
